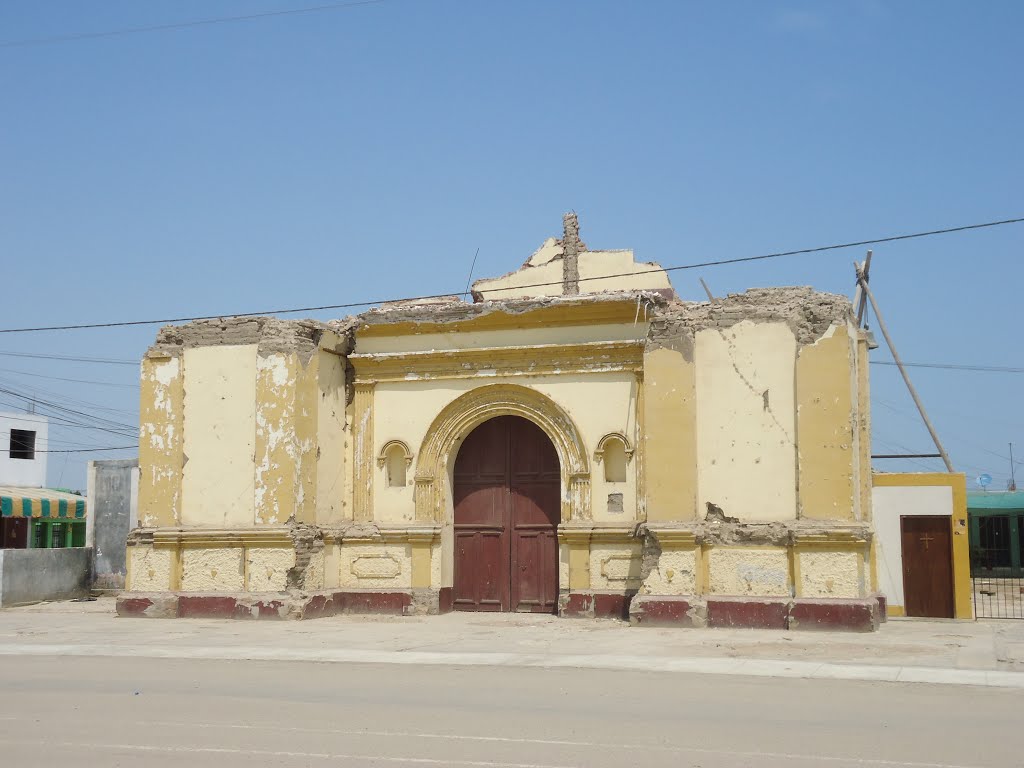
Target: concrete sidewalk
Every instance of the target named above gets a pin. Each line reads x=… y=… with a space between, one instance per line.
x=907 y=650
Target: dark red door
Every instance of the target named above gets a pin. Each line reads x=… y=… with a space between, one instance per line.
x=927 y=566
x=14 y=533
x=506 y=495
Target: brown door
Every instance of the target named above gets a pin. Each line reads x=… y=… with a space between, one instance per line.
x=506 y=495
x=14 y=533
x=927 y=566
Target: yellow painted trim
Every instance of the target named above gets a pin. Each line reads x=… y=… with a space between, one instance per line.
x=638 y=452
x=462 y=415
x=421 y=544
x=534 y=360
x=824 y=428
x=895 y=611
x=362 y=470
x=862 y=571
x=603 y=443
x=668 y=440
x=957 y=481
x=222 y=538
x=129 y=575
x=562 y=313
x=874 y=564
x=704 y=583
x=382 y=455
x=794 y=572
x=177 y=568
x=161 y=439
x=675 y=538
x=578 y=542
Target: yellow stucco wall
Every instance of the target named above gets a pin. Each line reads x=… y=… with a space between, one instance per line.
x=615 y=566
x=825 y=428
x=375 y=566
x=592 y=265
x=761 y=572
x=598 y=403
x=746 y=420
x=161 y=440
x=218 y=480
x=670 y=435
x=266 y=568
x=331 y=477
x=677 y=573
x=149 y=569
x=737 y=416
x=831 y=574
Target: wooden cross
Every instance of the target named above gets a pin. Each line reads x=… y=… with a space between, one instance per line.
x=926 y=539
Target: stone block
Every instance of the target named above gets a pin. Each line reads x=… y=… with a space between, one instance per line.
x=667 y=611
x=147 y=607
x=207 y=606
x=388 y=603
x=747 y=613
x=595 y=604
x=835 y=615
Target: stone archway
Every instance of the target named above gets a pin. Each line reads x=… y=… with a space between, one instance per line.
x=462 y=415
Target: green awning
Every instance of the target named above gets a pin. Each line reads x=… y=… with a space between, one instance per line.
x=40 y=502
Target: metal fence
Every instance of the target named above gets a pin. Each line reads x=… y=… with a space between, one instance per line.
x=998 y=597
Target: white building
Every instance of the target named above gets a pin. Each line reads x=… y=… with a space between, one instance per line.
x=23 y=444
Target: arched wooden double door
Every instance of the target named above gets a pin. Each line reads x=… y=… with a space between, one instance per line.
x=507 y=509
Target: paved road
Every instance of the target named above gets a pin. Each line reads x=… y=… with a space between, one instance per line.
x=91 y=712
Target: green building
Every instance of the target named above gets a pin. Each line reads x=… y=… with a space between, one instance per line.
x=996 y=522
x=37 y=518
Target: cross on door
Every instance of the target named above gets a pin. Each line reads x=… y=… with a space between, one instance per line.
x=926 y=539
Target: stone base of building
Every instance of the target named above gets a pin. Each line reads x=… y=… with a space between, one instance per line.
x=595 y=604
x=860 y=615
x=841 y=615
x=274 y=605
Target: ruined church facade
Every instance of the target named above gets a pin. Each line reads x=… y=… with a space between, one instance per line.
x=574 y=440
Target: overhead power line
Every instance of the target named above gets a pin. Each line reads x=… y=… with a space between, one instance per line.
x=82 y=450
x=69 y=358
x=184 y=24
x=351 y=305
x=955 y=367
x=63 y=378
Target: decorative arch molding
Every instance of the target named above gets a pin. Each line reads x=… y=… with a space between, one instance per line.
x=603 y=442
x=382 y=457
x=466 y=412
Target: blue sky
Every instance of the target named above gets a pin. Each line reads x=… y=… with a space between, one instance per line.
x=367 y=152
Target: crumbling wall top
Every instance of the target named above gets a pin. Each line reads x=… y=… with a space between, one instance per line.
x=807 y=312
x=271 y=334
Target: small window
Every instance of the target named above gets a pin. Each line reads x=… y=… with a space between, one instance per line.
x=396 y=463
x=23 y=444
x=614 y=461
x=58 y=533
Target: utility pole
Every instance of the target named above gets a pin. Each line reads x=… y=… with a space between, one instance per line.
x=1013 y=479
x=862 y=282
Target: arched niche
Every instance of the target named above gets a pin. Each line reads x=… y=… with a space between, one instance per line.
x=395 y=458
x=614 y=452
